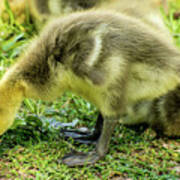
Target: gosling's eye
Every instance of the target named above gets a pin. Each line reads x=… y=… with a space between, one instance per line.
x=57 y=57
x=59 y=54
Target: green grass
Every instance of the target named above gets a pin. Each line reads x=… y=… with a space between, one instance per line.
x=32 y=148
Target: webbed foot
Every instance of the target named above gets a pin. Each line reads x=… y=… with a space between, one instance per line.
x=80 y=136
x=85 y=137
x=80 y=159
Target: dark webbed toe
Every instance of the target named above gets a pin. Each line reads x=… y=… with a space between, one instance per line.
x=80 y=136
x=85 y=137
x=80 y=159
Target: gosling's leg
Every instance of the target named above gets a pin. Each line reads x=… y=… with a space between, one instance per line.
x=80 y=159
